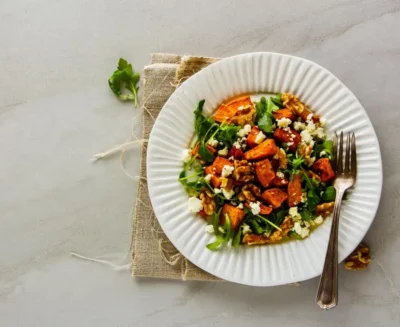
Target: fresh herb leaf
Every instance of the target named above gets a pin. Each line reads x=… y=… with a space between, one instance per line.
x=280 y=216
x=227 y=134
x=228 y=228
x=306 y=215
x=269 y=222
x=255 y=227
x=202 y=124
x=277 y=101
x=215 y=246
x=329 y=194
x=326 y=146
x=264 y=109
x=237 y=238
x=294 y=164
x=205 y=154
x=125 y=78
x=221 y=238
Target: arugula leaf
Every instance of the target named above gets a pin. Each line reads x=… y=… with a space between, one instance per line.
x=280 y=216
x=264 y=109
x=201 y=124
x=227 y=133
x=313 y=192
x=221 y=238
x=125 y=78
x=326 y=146
x=214 y=246
x=295 y=164
x=255 y=227
x=306 y=215
x=329 y=194
x=277 y=101
x=237 y=238
x=205 y=154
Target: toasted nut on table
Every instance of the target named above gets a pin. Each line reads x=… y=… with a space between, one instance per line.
x=358 y=259
x=324 y=209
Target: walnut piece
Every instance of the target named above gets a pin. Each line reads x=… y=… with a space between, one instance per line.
x=276 y=236
x=292 y=102
x=305 y=151
x=358 y=259
x=243 y=172
x=249 y=192
x=244 y=116
x=209 y=205
x=283 y=162
x=324 y=209
x=227 y=183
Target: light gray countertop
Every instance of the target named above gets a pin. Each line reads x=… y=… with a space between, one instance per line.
x=56 y=111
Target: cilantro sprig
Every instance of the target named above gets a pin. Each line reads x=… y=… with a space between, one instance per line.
x=125 y=78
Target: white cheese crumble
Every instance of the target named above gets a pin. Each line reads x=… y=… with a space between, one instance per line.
x=194 y=204
x=322 y=122
x=237 y=145
x=208 y=177
x=246 y=229
x=299 y=126
x=240 y=206
x=289 y=144
x=320 y=133
x=209 y=229
x=260 y=137
x=217 y=191
x=213 y=142
x=280 y=174
x=223 y=152
x=244 y=131
x=255 y=208
x=309 y=117
x=231 y=158
x=283 y=122
x=319 y=220
x=293 y=212
x=220 y=228
x=227 y=170
x=228 y=194
x=310 y=127
x=306 y=137
x=303 y=232
x=186 y=155
x=322 y=153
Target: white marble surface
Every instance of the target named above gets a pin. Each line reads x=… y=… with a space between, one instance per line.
x=56 y=111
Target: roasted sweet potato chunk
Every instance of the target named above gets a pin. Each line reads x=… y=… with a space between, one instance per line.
x=264 y=210
x=324 y=169
x=305 y=113
x=251 y=138
x=219 y=164
x=265 y=172
x=226 y=111
x=280 y=182
x=291 y=137
x=294 y=191
x=216 y=181
x=274 y=197
x=284 y=113
x=267 y=148
x=235 y=214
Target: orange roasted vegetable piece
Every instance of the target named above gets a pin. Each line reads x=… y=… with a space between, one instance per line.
x=236 y=215
x=284 y=113
x=305 y=113
x=274 y=197
x=216 y=181
x=195 y=150
x=264 y=210
x=251 y=138
x=324 y=169
x=290 y=136
x=267 y=148
x=280 y=182
x=225 y=112
x=294 y=191
x=219 y=164
x=265 y=172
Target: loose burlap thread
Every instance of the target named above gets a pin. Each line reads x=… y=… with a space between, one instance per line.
x=153 y=255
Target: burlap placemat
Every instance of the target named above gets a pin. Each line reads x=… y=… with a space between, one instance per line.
x=153 y=254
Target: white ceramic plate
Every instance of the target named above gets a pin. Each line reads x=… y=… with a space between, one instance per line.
x=261 y=73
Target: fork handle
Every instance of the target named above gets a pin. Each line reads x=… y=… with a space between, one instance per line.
x=327 y=296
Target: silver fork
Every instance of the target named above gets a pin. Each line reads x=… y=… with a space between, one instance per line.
x=327 y=296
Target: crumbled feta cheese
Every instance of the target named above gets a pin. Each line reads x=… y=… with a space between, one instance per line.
x=240 y=206
x=227 y=170
x=297 y=228
x=283 y=122
x=307 y=224
x=319 y=220
x=209 y=229
x=213 y=142
x=299 y=125
x=241 y=107
x=320 y=133
x=306 y=137
x=217 y=191
x=233 y=203
x=260 y=137
x=286 y=129
x=311 y=161
x=231 y=158
x=208 y=177
x=289 y=143
x=228 y=194
x=309 y=117
x=322 y=153
x=223 y=152
x=255 y=208
x=221 y=229
x=186 y=155
x=194 y=204
x=280 y=174
x=322 y=122
x=246 y=229
x=310 y=127
x=244 y=131
x=237 y=145
x=267 y=234
x=293 y=211
x=305 y=232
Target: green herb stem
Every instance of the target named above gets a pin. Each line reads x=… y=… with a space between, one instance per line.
x=269 y=222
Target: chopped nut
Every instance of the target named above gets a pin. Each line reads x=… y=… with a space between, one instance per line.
x=276 y=236
x=244 y=116
x=207 y=199
x=358 y=259
x=305 y=151
x=243 y=172
x=249 y=192
x=291 y=102
x=324 y=209
x=283 y=162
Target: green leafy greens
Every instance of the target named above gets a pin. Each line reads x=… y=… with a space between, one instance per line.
x=264 y=110
x=125 y=78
